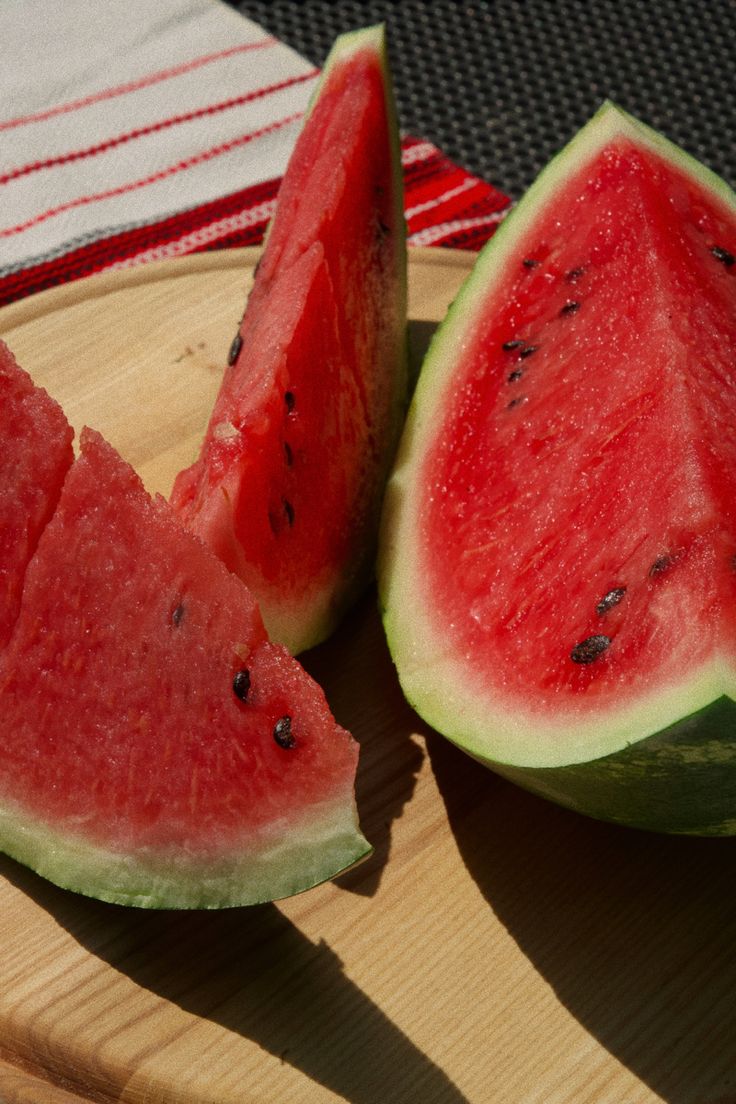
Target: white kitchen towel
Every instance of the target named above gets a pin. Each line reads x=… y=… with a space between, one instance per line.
x=132 y=131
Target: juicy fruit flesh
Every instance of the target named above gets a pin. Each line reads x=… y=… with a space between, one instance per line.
x=584 y=479
x=287 y=487
x=35 y=452
x=120 y=722
x=278 y=482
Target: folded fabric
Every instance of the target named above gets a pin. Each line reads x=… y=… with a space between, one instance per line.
x=132 y=132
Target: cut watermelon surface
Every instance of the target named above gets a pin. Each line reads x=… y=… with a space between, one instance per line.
x=559 y=545
x=35 y=452
x=288 y=484
x=157 y=749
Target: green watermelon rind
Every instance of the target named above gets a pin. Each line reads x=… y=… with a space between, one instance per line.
x=681 y=780
x=679 y=739
x=285 y=861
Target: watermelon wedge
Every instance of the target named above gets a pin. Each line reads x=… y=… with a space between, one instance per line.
x=558 y=565
x=35 y=452
x=289 y=481
x=157 y=750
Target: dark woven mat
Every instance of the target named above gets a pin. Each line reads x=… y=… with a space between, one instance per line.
x=500 y=86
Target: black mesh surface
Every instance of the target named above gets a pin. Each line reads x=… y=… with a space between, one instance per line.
x=500 y=86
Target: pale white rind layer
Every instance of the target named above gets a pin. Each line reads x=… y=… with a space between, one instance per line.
x=290 y=858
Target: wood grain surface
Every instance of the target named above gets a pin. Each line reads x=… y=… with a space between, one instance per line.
x=494 y=950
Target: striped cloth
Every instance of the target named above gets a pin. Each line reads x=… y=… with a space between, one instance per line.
x=133 y=131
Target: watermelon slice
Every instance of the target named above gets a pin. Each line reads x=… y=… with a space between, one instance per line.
x=558 y=569
x=157 y=749
x=288 y=484
x=35 y=452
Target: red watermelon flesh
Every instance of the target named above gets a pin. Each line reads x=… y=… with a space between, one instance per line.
x=158 y=750
x=35 y=453
x=339 y=187
x=288 y=484
x=600 y=410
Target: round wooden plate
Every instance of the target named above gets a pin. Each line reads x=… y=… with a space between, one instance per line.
x=138 y=353
x=495 y=949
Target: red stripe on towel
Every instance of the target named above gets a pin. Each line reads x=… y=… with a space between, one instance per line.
x=135 y=85
x=153 y=178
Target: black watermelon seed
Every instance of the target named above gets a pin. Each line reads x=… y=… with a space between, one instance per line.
x=177 y=614
x=516 y=402
x=237 y=345
x=289 y=400
x=660 y=565
x=282 y=733
x=530 y=262
x=528 y=350
x=570 y=307
x=289 y=511
x=288 y=454
x=588 y=650
x=383 y=228
x=609 y=600
x=515 y=375
x=241 y=684
x=515 y=344
x=574 y=274
x=723 y=255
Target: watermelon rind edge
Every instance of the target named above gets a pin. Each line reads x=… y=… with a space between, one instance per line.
x=680 y=780
x=652 y=740
x=303 y=855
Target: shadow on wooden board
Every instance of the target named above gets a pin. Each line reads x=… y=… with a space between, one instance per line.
x=635 y=931
x=356 y=672
x=253 y=972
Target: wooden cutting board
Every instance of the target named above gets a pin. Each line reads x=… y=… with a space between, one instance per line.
x=495 y=949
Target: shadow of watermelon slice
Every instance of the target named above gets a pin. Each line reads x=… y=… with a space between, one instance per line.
x=633 y=930
x=257 y=975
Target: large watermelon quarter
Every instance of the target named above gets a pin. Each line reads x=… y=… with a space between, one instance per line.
x=289 y=481
x=155 y=748
x=559 y=553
